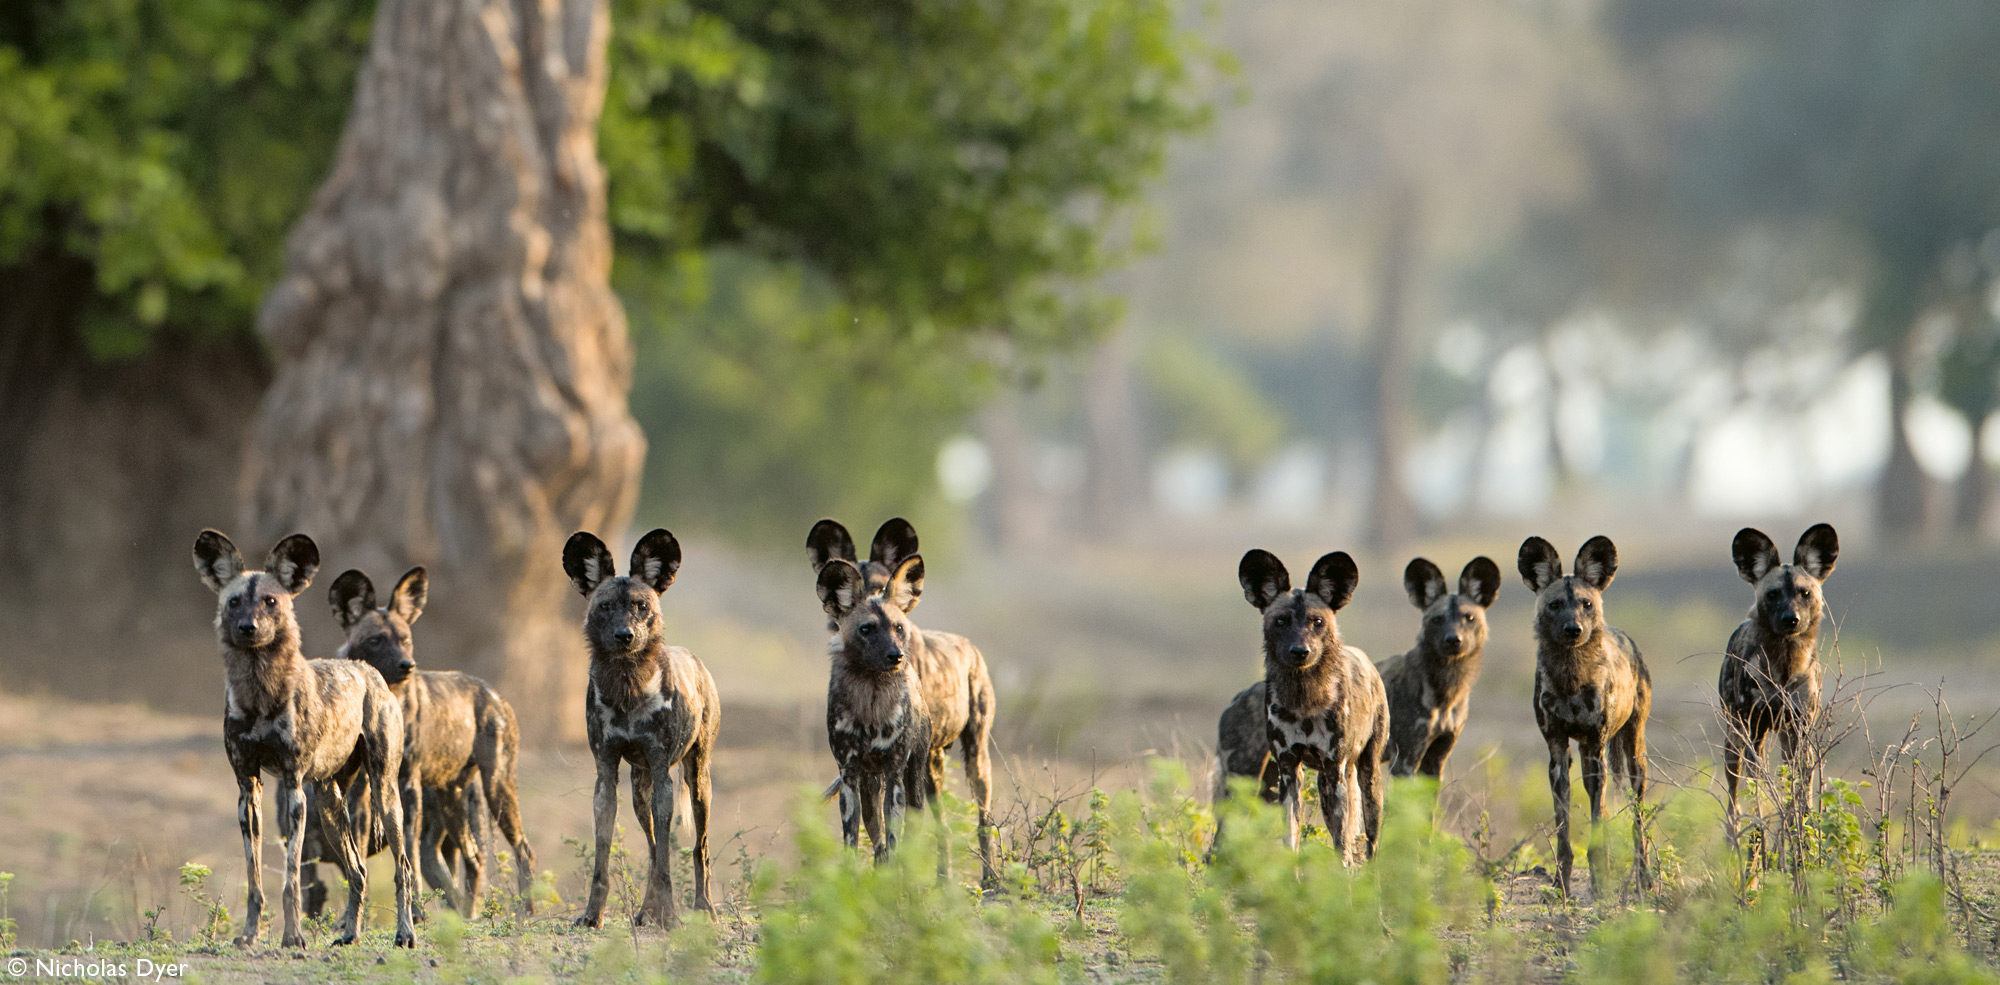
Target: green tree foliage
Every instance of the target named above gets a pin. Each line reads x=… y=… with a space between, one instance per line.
x=817 y=206
x=896 y=188
x=169 y=147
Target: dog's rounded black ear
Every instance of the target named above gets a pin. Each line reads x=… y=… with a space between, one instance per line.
x=827 y=541
x=413 y=590
x=1818 y=548
x=293 y=562
x=351 y=596
x=1539 y=563
x=1597 y=562
x=587 y=562
x=216 y=560
x=906 y=586
x=656 y=559
x=1423 y=582
x=1263 y=577
x=1334 y=577
x=1754 y=553
x=1480 y=581
x=839 y=587
x=895 y=540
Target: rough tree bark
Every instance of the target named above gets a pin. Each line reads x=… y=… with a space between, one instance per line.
x=452 y=364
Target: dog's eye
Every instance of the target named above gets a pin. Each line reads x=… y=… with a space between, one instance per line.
x=604 y=607
x=235 y=602
x=270 y=602
x=1555 y=606
x=1282 y=621
x=1318 y=622
x=378 y=639
x=1805 y=593
x=867 y=629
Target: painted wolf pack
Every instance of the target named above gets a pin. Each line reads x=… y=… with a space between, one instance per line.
x=371 y=754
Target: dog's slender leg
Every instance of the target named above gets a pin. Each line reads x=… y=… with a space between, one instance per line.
x=850 y=810
x=1333 y=808
x=291 y=821
x=1370 y=767
x=979 y=775
x=604 y=809
x=1559 y=792
x=660 y=880
x=701 y=793
x=642 y=812
x=873 y=791
x=1591 y=755
x=250 y=818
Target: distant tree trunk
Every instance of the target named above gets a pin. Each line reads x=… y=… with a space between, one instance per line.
x=1901 y=490
x=452 y=364
x=1115 y=483
x=1392 y=518
x=1015 y=520
x=1970 y=516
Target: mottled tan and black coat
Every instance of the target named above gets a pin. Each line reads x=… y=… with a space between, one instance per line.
x=1430 y=687
x=877 y=723
x=332 y=725
x=1770 y=677
x=1325 y=708
x=1591 y=688
x=952 y=678
x=648 y=704
x=457 y=730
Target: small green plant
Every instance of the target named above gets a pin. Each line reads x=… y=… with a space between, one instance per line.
x=194 y=885
x=8 y=927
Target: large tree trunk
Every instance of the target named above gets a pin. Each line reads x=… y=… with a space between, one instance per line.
x=1902 y=488
x=1392 y=518
x=453 y=366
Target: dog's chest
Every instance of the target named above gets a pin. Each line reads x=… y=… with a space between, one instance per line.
x=634 y=716
x=868 y=720
x=1313 y=739
x=268 y=741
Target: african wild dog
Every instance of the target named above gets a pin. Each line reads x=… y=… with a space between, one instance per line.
x=1431 y=686
x=331 y=724
x=456 y=729
x=876 y=721
x=648 y=704
x=1324 y=704
x=1591 y=687
x=1770 y=673
x=952 y=678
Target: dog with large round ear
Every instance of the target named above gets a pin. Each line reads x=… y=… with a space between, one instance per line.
x=1480 y=581
x=587 y=562
x=827 y=541
x=1423 y=582
x=1263 y=577
x=352 y=597
x=656 y=560
x=1597 y=562
x=1333 y=578
x=895 y=541
x=906 y=586
x=1819 y=548
x=216 y=560
x=839 y=587
x=1539 y=564
x=1754 y=553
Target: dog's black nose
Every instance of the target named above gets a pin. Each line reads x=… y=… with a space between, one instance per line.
x=623 y=636
x=894 y=654
x=1789 y=620
x=1572 y=631
x=1299 y=650
x=406 y=665
x=1451 y=641
x=245 y=627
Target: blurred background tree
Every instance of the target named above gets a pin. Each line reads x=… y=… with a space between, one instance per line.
x=841 y=222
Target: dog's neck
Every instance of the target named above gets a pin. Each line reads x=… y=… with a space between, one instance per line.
x=624 y=679
x=1307 y=691
x=1783 y=658
x=264 y=680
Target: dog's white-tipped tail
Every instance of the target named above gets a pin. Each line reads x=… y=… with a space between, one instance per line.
x=830 y=792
